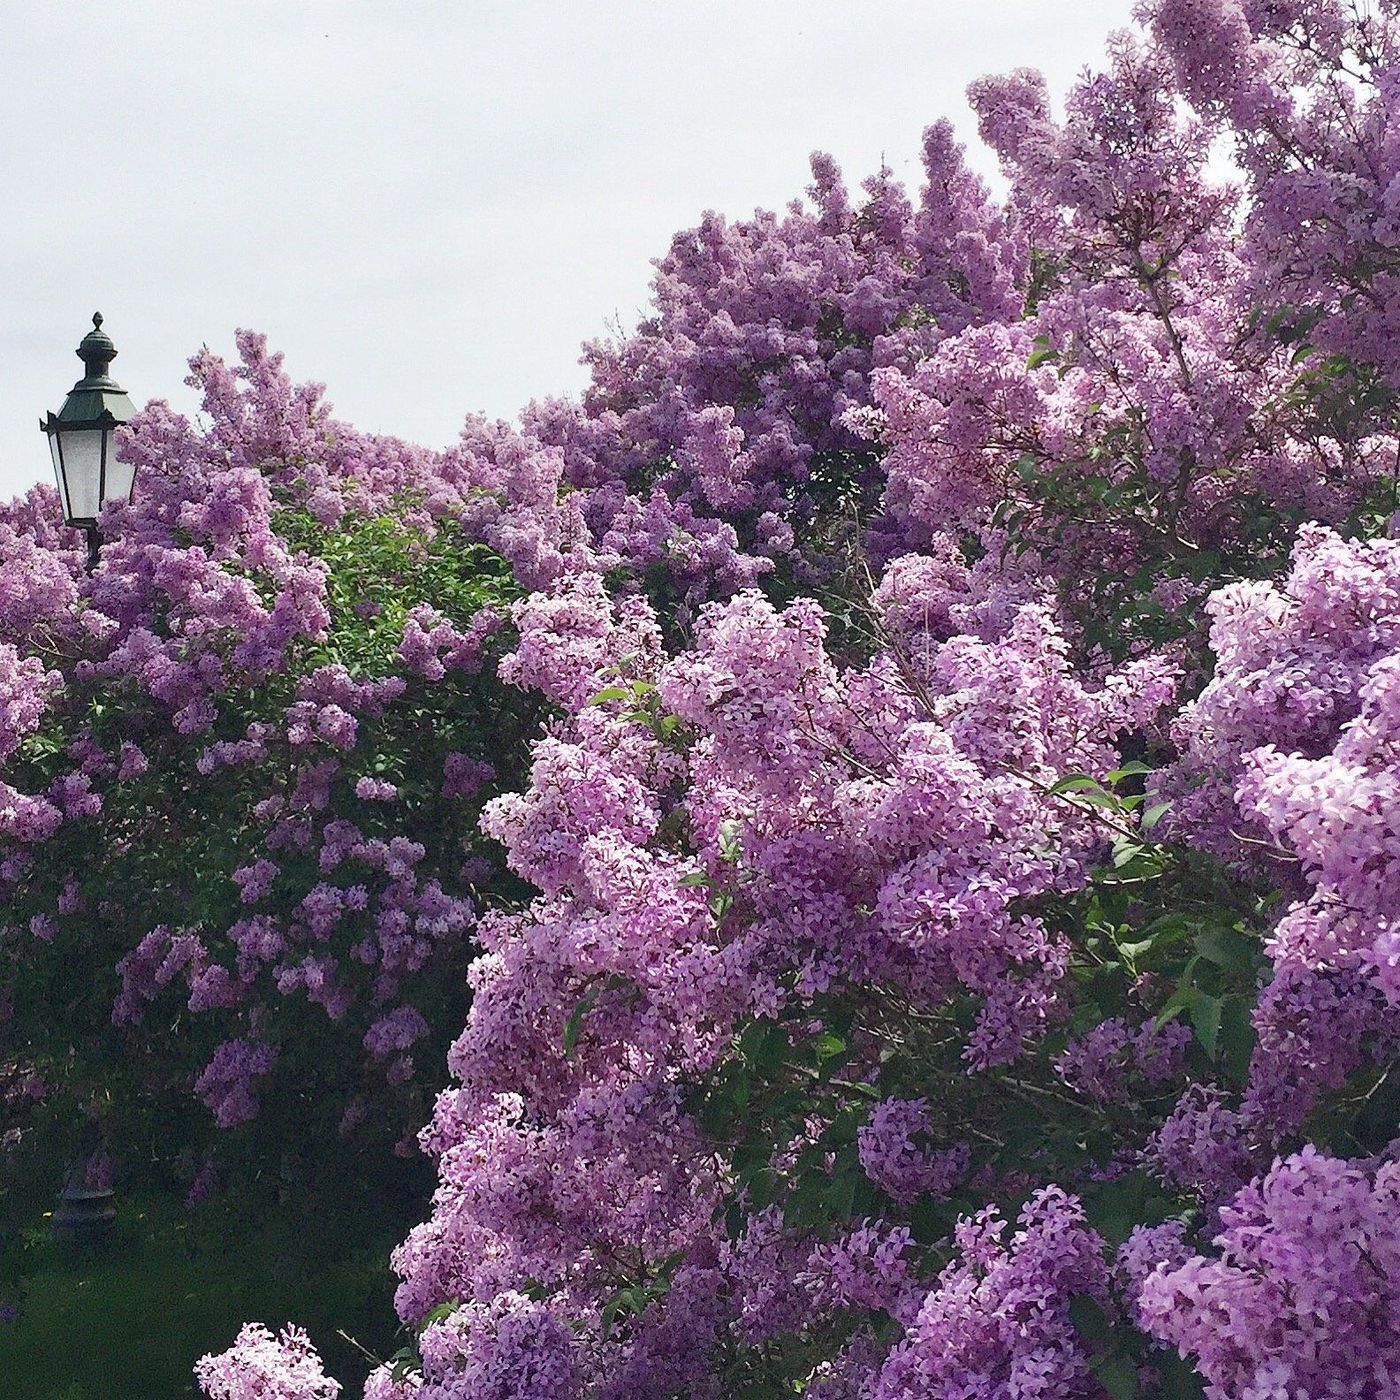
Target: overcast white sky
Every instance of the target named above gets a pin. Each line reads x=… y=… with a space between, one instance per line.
x=430 y=204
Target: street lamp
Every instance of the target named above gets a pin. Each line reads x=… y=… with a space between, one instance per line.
x=82 y=440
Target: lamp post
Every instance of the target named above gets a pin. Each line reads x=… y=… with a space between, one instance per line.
x=82 y=440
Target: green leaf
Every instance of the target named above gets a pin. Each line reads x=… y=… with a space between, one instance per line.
x=1115 y=1208
x=1090 y=1320
x=1205 y=1013
x=1157 y=937
x=1075 y=782
x=1178 y=1001
x=1117 y=1375
x=842 y=1196
x=575 y=1022
x=404 y=1363
x=729 y=840
x=1128 y=770
x=1098 y=797
x=1236 y=1037
x=865 y=1091
x=1179 y=1379
x=438 y=1314
x=612 y=692
x=1227 y=948
x=764 y=1044
x=1132 y=863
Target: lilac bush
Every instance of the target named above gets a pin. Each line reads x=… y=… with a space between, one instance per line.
x=858 y=934
x=712 y=449
x=893 y=796
x=243 y=759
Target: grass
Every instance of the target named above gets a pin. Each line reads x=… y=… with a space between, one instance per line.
x=127 y=1323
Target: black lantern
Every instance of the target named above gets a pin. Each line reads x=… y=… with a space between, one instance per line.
x=82 y=440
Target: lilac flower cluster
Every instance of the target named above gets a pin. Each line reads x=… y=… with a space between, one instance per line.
x=1299 y=1292
x=260 y=1366
x=1306 y=91
x=892 y=1158
x=509 y=1349
x=996 y=1322
x=1290 y=757
x=1123 y=422
x=1101 y=1063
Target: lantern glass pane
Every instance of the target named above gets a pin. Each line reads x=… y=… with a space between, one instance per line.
x=82 y=471
x=54 y=448
x=119 y=474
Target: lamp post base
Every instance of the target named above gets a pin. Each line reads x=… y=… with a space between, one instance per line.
x=86 y=1215
x=94 y=546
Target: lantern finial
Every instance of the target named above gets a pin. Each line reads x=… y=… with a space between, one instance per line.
x=96 y=351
